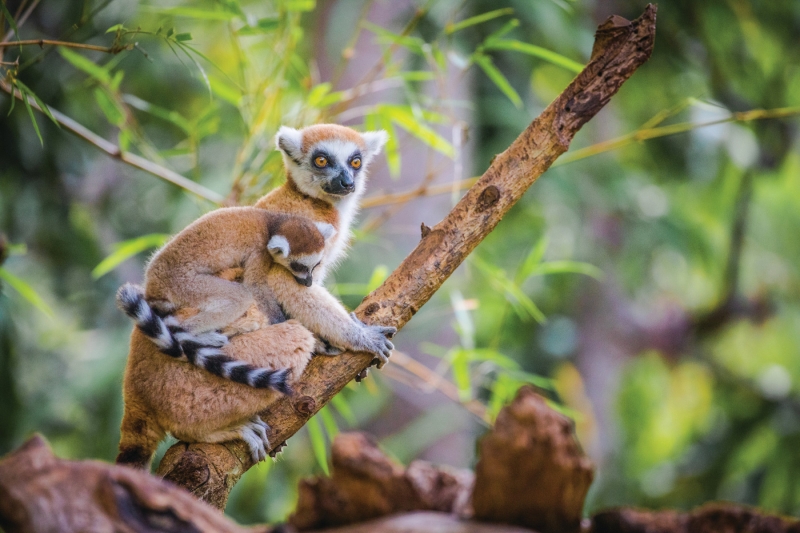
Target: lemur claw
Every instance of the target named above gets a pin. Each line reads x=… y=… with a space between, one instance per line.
x=278 y=449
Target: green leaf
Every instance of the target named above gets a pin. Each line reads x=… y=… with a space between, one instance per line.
x=115 y=27
x=461 y=374
x=184 y=47
x=110 y=108
x=26 y=291
x=44 y=108
x=418 y=75
x=317 y=93
x=173 y=117
x=10 y=19
x=403 y=117
x=413 y=44
x=477 y=19
x=329 y=422
x=379 y=275
x=300 y=5
x=486 y=64
x=127 y=249
x=13 y=99
x=317 y=438
x=264 y=25
x=507 y=27
x=191 y=12
x=567 y=267
x=182 y=37
x=343 y=408
x=30 y=110
x=81 y=63
x=533 y=258
x=225 y=91
x=392 y=147
x=533 y=50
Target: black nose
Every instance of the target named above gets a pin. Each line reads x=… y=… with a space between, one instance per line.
x=343 y=182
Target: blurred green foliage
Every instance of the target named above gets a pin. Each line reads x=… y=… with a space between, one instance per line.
x=649 y=287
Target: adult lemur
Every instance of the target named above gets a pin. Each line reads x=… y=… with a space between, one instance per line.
x=326 y=174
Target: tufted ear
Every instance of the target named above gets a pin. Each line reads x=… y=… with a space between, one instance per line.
x=374 y=141
x=290 y=142
x=327 y=230
x=278 y=245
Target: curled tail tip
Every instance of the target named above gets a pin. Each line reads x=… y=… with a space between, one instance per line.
x=128 y=298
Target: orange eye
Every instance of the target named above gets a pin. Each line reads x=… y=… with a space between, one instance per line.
x=321 y=161
x=356 y=163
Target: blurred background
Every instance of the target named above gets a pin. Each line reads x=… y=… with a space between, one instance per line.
x=648 y=284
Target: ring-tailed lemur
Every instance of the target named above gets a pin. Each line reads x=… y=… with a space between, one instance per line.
x=326 y=174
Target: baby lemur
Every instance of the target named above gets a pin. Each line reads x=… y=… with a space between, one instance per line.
x=326 y=175
x=184 y=275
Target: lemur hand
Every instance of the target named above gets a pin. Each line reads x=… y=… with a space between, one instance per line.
x=375 y=340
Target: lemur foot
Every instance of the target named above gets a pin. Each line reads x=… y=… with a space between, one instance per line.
x=376 y=340
x=361 y=376
x=254 y=433
x=323 y=347
x=278 y=449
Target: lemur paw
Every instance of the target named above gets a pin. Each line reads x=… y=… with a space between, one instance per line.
x=376 y=340
x=254 y=433
x=211 y=338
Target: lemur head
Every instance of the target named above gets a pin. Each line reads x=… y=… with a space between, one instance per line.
x=298 y=244
x=328 y=161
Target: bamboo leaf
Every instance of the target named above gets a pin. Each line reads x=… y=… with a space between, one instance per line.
x=329 y=422
x=413 y=44
x=533 y=258
x=127 y=249
x=183 y=37
x=477 y=19
x=110 y=108
x=343 y=408
x=567 y=267
x=30 y=110
x=89 y=67
x=318 y=445
x=173 y=117
x=9 y=18
x=533 y=50
x=44 y=108
x=486 y=64
x=402 y=116
x=379 y=275
x=26 y=291
x=300 y=5
x=191 y=12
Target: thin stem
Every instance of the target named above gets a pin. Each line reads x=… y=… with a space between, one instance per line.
x=114 y=151
x=65 y=44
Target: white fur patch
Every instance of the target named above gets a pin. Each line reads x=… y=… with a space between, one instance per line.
x=278 y=245
x=289 y=139
x=374 y=140
x=327 y=230
x=227 y=368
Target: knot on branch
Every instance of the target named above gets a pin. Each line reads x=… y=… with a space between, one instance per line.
x=305 y=406
x=488 y=197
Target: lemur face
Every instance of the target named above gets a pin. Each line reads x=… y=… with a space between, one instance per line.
x=299 y=246
x=328 y=161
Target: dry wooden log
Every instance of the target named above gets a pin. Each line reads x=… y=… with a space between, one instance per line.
x=714 y=517
x=425 y=522
x=532 y=471
x=366 y=484
x=40 y=493
x=620 y=48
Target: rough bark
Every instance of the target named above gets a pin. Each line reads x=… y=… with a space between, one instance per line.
x=620 y=48
x=532 y=471
x=40 y=493
x=715 y=517
x=365 y=484
x=425 y=522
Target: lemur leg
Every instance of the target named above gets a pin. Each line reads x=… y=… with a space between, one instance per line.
x=190 y=402
x=253 y=433
x=139 y=438
x=218 y=301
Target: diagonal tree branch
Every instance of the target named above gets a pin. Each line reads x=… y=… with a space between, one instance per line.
x=621 y=46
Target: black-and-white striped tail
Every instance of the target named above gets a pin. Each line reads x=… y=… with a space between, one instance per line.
x=202 y=350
